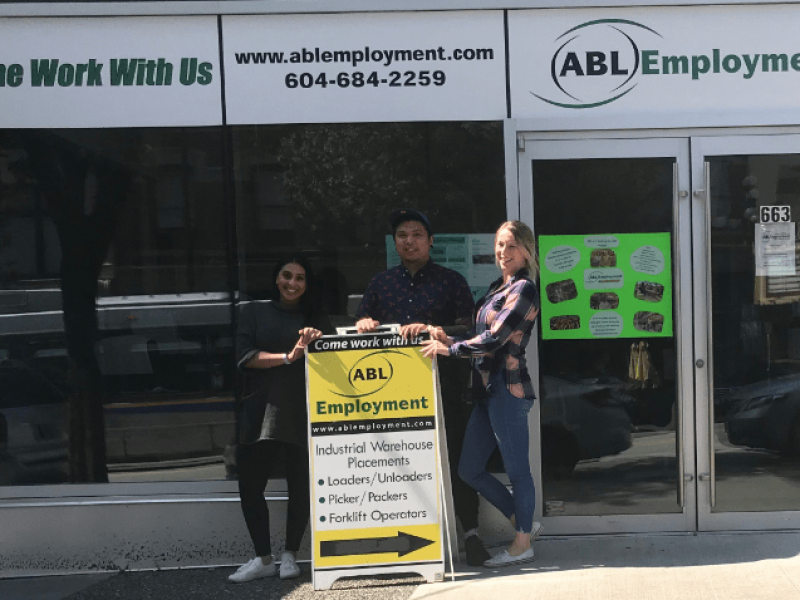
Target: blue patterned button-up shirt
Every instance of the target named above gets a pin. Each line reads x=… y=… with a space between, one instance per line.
x=434 y=295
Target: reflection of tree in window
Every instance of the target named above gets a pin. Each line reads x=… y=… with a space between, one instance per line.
x=83 y=192
x=329 y=188
x=340 y=176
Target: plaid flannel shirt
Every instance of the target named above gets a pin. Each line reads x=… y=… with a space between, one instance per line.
x=503 y=329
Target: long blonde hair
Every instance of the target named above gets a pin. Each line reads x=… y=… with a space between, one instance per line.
x=524 y=236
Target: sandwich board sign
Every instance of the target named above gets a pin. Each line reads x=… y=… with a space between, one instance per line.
x=374 y=458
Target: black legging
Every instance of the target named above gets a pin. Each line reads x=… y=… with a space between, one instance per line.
x=254 y=463
x=453 y=374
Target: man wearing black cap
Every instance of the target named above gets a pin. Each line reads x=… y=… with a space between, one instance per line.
x=418 y=293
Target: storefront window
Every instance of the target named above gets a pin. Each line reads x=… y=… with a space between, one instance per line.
x=608 y=372
x=327 y=190
x=756 y=331
x=115 y=351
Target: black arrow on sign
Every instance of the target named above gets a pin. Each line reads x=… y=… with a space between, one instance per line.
x=402 y=543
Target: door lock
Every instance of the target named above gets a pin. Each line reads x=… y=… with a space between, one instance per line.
x=700 y=363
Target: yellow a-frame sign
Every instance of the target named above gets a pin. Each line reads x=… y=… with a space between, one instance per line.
x=374 y=452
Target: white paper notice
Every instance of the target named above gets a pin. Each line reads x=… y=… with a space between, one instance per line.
x=775 y=253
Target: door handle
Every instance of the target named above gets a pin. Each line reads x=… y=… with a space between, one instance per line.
x=677 y=195
x=704 y=477
x=711 y=476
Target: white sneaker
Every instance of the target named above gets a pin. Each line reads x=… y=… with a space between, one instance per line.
x=253 y=569
x=504 y=559
x=289 y=568
x=537 y=530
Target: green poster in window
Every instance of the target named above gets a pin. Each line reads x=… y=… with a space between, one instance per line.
x=606 y=286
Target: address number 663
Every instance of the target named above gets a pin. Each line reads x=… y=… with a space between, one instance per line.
x=775 y=214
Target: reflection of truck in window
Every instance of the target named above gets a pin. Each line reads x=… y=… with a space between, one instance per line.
x=167 y=373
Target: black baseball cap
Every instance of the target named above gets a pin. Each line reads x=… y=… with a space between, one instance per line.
x=409 y=214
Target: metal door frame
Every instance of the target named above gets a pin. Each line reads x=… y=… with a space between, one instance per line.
x=530 y=147
x=784 y=142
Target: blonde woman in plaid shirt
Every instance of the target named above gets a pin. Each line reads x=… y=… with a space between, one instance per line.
x=503 y=326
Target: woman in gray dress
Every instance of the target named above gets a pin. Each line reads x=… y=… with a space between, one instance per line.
x=270 y=343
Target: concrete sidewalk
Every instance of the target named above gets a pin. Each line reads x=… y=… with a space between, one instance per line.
x=740 y=566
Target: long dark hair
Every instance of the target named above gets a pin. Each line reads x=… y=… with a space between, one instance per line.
x=310 y=302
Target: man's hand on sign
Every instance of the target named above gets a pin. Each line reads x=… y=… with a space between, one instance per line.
x=412 y=330
x=366 y=325
x=433 y=347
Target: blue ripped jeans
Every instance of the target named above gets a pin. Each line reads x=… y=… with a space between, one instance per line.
x=501 y=420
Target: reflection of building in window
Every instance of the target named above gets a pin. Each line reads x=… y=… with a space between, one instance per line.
x=326 y=190
x=29 y=246
x=272 y=203
x=170 y=200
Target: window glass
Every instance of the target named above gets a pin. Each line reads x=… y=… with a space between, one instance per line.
x=116 y=277
x=327 y=190
x=116 y=345
x=608 y=416
x=755 y=310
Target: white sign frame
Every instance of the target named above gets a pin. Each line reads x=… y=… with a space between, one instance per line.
x=433 y=571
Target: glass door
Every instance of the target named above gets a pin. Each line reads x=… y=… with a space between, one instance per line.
x=615 y=364
x=746 y=202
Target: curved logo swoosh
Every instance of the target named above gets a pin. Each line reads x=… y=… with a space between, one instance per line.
x=571 y=64
x=383 y=382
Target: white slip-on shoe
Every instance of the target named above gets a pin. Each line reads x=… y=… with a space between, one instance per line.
x=537 y=530
x=504 y=559
x=253 y=569
x=289 y=567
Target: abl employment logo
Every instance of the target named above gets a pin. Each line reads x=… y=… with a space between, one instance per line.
x=370 y=374
x=596 y=63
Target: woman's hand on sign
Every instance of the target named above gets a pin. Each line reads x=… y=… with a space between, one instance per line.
x=309 y=334
x=433 y=347
x=412 y=330
x=366 y=325
x=438 y=334
x=298 y=351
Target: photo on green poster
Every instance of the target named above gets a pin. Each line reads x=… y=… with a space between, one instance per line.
x=606 y=286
